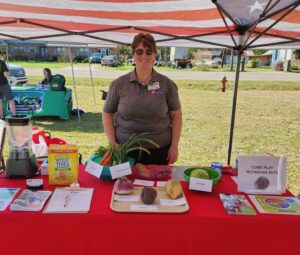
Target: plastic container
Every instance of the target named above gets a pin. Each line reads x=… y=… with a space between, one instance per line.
x=213 y=175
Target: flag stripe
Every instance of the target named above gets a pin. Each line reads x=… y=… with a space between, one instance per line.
x=192 y=15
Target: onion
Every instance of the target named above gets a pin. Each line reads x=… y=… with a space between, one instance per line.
x=123 y=186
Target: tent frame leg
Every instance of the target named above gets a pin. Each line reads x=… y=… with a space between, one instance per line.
x=236 y=84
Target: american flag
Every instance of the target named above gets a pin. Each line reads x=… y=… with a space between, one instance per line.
x=190 y=23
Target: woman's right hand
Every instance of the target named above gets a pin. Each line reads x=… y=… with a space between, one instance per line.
x=116 y=146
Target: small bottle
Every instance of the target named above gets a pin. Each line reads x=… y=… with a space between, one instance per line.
x=217 y=166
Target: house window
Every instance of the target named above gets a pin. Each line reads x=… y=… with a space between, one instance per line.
x=60 y=51
x=83 y=51
x=19 y=49
x=44 y=52
x=31 y=49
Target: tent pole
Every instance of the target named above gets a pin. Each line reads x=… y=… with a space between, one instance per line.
x=91 y=75
x=7 y=57
x=236 y=83
x=74 y=85
x=232 y=55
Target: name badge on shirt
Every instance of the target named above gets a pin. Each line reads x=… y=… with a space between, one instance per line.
x=153 y=86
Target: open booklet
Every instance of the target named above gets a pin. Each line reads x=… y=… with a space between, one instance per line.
x=30 y=200
x=237 y=204
x=70 y=200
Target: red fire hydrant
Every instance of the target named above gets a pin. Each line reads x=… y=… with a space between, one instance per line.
x=223 y=84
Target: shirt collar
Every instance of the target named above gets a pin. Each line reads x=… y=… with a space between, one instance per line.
x=155 y=76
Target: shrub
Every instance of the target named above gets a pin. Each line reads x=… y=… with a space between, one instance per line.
x=295 y=64
x=279 y=65
x=86 y=60
x=80 y=59
x=254 y=63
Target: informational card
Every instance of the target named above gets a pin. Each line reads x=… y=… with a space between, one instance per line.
x=145 y=208
x=120 y=170
x=200 y=184
x=262 y=174
x=126 y=198
x=172 y=202
x=161 y=184
x=143 y=183
x=6 y=196
x=94 y=168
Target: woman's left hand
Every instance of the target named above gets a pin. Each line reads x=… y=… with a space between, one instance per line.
x=172 y=154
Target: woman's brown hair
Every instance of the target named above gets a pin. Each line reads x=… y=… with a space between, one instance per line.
x=146 y=39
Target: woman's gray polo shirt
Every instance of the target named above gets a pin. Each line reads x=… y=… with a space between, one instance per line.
x=140 y=110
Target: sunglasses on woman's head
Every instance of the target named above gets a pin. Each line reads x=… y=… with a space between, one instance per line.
x=141 y=52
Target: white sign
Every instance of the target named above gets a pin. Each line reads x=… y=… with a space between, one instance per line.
x=161 y=184
x=173 y=202
x=143 y=182
x=94 y=168
x=120 y=170
x=126 y=198
x=145 y=208
x=261 y=174
x=200 y=184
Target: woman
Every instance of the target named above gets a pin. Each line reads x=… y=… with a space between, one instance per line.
x=47 y=76
x=144 y=101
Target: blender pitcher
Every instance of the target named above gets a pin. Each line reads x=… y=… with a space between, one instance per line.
x=21 y=161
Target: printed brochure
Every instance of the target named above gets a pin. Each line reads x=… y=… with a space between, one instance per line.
x=237 y=204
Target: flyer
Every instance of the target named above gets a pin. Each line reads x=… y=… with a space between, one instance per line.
x=6 y=196
x=237 y=204
x=276 y=204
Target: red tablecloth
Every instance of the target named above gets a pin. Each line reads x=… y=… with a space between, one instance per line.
x=204 y=229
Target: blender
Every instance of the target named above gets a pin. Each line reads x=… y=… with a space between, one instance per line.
x=21 y=161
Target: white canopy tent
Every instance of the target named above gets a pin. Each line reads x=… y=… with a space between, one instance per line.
x=232 y=24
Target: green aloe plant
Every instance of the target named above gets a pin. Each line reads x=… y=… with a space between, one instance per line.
x=133 y=143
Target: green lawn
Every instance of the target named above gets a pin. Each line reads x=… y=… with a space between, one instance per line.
x=267 y=120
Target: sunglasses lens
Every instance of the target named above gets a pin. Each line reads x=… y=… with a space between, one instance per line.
x=149 y=52
x=139 y=52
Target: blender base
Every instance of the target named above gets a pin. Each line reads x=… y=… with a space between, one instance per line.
x=20 y=168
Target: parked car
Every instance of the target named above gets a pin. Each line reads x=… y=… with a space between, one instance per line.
x=110 y=60
x=206 y=63
x=211 y=63
x=131 y=61
x=96 y=58
x=218 y=59
x=17 y=75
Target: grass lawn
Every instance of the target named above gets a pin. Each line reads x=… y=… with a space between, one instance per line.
x=267 y=120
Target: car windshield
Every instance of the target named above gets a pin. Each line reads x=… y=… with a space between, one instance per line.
x=96 y=55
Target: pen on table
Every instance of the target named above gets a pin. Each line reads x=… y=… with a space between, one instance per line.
x=67 y=198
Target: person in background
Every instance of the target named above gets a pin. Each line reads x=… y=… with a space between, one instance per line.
x=5 y=89
x=144 y=101
x=47 y=77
